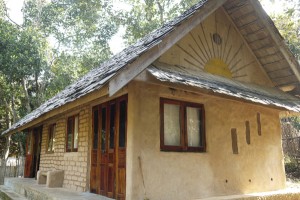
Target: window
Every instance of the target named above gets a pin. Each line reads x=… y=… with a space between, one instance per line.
x=182 y=126
x=72 y=134
x=29 y=143
x=51 y=138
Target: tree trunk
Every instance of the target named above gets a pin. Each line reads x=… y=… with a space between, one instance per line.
x=8 y=112
x=161 y=12
x=3 y=160
x=25 y=90
x=13 y=109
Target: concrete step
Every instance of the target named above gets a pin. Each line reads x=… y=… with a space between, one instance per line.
x=6 y=193
x=31 y=190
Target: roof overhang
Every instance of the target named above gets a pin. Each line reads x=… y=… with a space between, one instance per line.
x=125 y=66
x=266 y=96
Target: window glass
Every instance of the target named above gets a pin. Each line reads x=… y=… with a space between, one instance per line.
x=182 y=126
x=96 y=127
x=103 y=130
x=76 y=132
x=193 y=126
x=51 y=138
x=171 y=124
x=112 y=126
x=29 y=141
x=122 y=124
x=70 y=133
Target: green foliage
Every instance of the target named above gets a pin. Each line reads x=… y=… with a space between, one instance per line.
x=22 y=60
x=148 y=15
x=2 y=146
x=289 y=26
x=290 y=164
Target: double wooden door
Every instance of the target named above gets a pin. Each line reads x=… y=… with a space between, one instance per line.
x=108 y=156
x=33 y=151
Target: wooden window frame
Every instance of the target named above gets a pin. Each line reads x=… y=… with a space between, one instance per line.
x=183 y=147
x=51 y=128
x=72 y=149
x=29 y=139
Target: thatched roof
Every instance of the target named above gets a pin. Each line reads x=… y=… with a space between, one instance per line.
x=260 y=34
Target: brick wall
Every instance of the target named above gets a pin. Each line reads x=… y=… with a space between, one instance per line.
x=74 y=164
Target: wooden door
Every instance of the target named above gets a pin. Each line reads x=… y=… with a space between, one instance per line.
x=121 y=148
x=108 y=155
x=37 y=137
x=33 y=151
x=28 y=172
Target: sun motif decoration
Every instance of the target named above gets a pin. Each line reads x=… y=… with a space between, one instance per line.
x=216 y=48
x=218 y=67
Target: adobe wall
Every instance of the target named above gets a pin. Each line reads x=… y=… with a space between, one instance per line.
x=74 y=164
x=154 y=174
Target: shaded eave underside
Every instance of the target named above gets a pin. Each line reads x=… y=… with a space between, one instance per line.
x=100 y=76
x=219 y=85
x=265 y=41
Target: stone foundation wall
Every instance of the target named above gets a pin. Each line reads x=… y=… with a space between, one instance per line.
x=74 y=164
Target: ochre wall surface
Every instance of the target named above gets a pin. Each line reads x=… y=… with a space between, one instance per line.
x=74 y=164
x=155 y=174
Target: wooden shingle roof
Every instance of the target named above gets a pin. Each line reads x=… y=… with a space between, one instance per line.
x=159 y=41
x=224 y=86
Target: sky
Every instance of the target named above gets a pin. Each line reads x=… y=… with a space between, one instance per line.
x=116 y=43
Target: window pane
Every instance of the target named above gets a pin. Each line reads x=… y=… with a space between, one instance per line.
x=76 y=133
x=95 y=123
x=112 y=126
x=29 y=140
x=193 y=122
x=53 y=137
x=50 y=138
x=122 y=124
x=70 y=131
x=103 y=130
x=171 y=124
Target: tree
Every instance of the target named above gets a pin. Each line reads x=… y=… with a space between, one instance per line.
x=289 y=26
x=148 y=15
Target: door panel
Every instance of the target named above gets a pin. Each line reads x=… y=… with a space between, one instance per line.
x=29 y=156
x=37 y=135
x=121 y=150
x=103 y=151
x=108 y=160
x=33 y=151
x=94 y=155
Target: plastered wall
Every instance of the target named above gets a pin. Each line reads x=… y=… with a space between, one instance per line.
x=195 y=50
x=74 y=164
x=154 y=174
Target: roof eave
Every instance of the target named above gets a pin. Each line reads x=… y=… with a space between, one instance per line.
x=125 y=75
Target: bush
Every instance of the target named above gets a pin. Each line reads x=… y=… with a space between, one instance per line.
x=290 y=164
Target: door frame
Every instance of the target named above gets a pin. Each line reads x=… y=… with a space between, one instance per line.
x=111 y=158
x=33 y=151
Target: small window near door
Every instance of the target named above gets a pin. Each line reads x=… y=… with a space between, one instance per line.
x=29 y=143
x=182 y=126
x=72 y=134
x=51 y=138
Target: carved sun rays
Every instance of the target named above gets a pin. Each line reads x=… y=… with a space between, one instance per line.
x=205 y=45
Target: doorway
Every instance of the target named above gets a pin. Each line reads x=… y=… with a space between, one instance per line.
x=108 y=155
x=33 y=152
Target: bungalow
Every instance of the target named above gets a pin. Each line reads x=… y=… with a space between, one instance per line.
x=189 y=111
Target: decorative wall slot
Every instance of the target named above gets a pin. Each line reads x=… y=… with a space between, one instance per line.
x=234 y=141
x=247 y=123
x=258 y=124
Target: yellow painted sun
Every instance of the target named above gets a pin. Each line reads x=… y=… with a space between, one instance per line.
x=218 y=67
